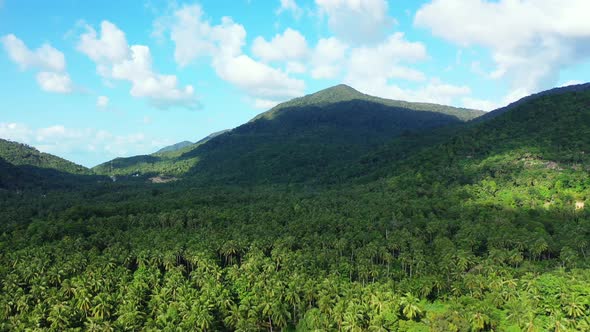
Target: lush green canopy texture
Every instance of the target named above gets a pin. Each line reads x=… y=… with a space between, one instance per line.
x=337 y=211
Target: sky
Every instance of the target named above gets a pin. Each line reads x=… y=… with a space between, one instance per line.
x=91 y=80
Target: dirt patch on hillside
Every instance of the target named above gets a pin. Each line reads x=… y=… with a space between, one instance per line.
x=162 y=179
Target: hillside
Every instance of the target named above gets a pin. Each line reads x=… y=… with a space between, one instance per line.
x=175 y=147
x=298 y=140
x=21 y=154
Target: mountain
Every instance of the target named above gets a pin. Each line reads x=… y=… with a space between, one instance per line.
x=175 y=147
x=342 y=93
x=297 y=140
x=550 y=92
x=21 y=154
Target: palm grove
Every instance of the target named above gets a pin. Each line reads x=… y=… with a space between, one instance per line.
x=334 y=212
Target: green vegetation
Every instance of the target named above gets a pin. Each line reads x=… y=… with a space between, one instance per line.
x=476 y=227
x=300 y=140
x=343 y=93
x=175 y=147
x=22 y=154
x=168 y=161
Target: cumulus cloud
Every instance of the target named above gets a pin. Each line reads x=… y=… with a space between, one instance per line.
x=110 y=47
x=479 y=104
x=372 y=67
x=115 y=59
x=258 y=79
x=435 y=91
x=195 y=37
x=530 y=40
x=358 y=22
x=291 y=45
x=50 y=61
x=328 y=57
x=54 y=82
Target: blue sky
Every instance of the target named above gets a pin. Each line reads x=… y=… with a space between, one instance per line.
x=93 y=80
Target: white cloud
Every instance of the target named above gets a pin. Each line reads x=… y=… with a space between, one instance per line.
x=355 y=21
x=291 y=45
x=264 y=104
x=45 y=57
x=258 y=79
x=15 y=132
x=407 y=74
x=434 y=91
x=54 y=82
x=479 y=104
x=290 y=6
x=194 y=37
x=295 y=67
x=111 y=47
x=374 y=66
x=327 y=59
x=530 y=40
x=102 y=101
x=571 y=82
x=51 y=62
x=134 y=64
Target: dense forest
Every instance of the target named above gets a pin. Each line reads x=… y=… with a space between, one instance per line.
x=429 y=224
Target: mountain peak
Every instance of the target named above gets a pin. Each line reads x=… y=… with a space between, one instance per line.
x=343 y=93
x=340 y=92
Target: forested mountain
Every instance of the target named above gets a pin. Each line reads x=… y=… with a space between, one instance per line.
x=21 y=154
x=175 y=147
x=343 y=93
x=166 y=161
x=298 y=140
x=479 y=226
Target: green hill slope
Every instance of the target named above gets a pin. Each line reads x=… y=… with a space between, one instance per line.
x=20 y=154
x=534 y=155
x=175 y=147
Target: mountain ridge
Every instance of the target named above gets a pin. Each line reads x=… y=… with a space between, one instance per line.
x=338 y=120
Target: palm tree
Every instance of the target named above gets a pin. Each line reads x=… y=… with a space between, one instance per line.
x=410 y=306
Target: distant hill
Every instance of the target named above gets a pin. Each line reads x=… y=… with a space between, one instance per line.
x=165 y=161
x=21 y=154
x=175 y=147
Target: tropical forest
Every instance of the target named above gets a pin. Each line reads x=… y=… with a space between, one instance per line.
x=295 y=166
x=405 y=217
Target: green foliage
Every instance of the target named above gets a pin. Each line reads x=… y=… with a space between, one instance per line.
x=465 y=228
x=21 y=154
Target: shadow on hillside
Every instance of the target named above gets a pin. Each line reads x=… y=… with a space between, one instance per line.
x=300 y=144
x=26 y=177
